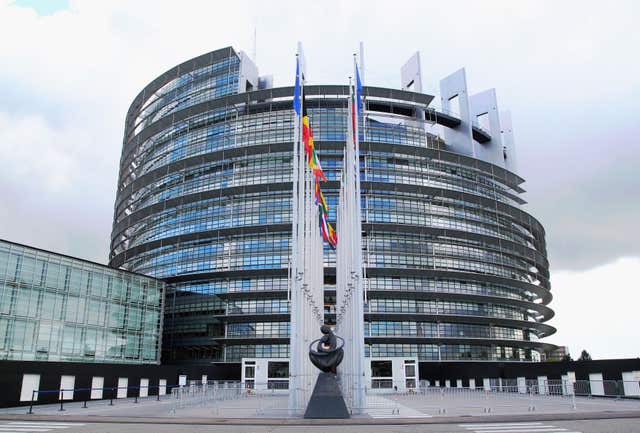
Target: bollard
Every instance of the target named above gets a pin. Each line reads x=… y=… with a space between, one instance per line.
x=158 y=397
x=61 y=400
x=84 y=405
x=31 y=404
x=111 y=402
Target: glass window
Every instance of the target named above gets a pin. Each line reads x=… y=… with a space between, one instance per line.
x=381 y=369
x=278 y=370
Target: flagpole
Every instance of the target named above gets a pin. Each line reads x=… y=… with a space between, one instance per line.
x=359 y=283
x=294 y=334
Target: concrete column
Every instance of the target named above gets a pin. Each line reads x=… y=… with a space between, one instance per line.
x=542 y=385
x=144 y=387
x=485 y=105
x=508 y=142
x=486 y=383
x=567 y=386
x=459 y=383
x=597 y=384
x=123 y=383
x=522 y=385
x=472 y=384
x=411 y=74
x=97 y=382
x=631 y=383
x=454 y=87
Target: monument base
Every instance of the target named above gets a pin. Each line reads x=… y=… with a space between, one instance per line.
x=326 y=400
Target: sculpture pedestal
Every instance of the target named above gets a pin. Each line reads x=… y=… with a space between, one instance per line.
x=326 y=400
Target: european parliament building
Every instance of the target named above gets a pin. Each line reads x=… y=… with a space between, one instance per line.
x=455 y=269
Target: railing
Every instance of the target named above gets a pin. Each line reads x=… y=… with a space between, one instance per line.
x=389 y=398
x=112 y=396
x=201 y=393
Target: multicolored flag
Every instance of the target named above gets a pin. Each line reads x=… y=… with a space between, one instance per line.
x=313 y=161
x=309 y=146
x=307 y=135
x=314 y=164
x=319 y=196
x=328 y=233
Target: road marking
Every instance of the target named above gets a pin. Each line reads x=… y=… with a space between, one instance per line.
x=12 y=425
x=509 y=427
x=49 y=423
x=14 y=428
x=34 y=426
x=523 y=430
x=502 y=424
x=523 y=427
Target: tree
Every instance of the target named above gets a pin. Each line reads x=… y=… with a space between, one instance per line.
x=567 y=357
x=584 y=356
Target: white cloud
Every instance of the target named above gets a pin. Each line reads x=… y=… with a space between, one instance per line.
x=598 y=309
x=38 y=153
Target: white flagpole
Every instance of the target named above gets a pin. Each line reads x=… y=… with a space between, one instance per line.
x=359 y=280
x=295 y=273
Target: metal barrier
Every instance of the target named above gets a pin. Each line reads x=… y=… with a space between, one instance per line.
x=386 y=398
x=201 y=393
x=607 y=388
x=113 y=395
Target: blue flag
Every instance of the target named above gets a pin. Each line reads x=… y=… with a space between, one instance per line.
x=358 y=89
x=296 y=91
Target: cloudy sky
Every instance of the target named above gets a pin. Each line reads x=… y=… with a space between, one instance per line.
x=568 y=71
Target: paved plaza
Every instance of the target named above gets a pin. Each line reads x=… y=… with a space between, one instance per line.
x=611 y=425
x=379 y=406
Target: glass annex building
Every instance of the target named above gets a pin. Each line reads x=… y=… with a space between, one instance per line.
x=59 y=308
x=455 y=269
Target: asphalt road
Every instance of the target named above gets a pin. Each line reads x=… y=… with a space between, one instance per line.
x=620 y=425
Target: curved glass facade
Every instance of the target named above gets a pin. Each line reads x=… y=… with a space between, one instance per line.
x=455 y=269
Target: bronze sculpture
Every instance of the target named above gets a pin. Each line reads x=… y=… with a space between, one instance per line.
x=327 y=355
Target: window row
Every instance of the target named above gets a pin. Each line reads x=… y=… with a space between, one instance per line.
x=440 y=330
x=55 y=341
x=25 y=302
x=452 y=352
x=215 y=81
x=259 y=329
x=56 y=273
x=445 y=307
x=445 y=285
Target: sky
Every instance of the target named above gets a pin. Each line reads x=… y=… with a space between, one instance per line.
x=568 y=71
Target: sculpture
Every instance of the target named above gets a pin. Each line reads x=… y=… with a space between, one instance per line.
x=328 y=355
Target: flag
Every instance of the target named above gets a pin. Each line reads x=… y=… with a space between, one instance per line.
x=296 y=90
x=313 y=161
x=320 y=200
x=314 y=165
x=328 y=233
x=307 y=135
x=358 y=89
x=310 y=149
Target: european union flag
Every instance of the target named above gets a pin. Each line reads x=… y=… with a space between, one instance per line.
x=296 y=93
x=358 y=90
